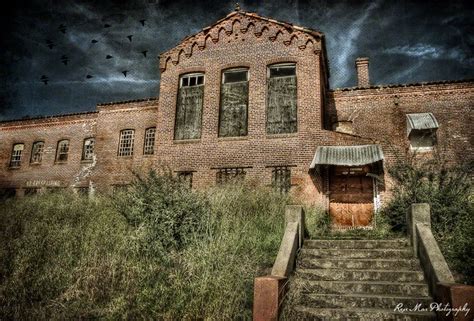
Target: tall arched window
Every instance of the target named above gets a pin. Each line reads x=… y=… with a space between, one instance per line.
x=126 y=141
x=234 y=103
x=17 y=151
x=281 y=99
x=88 y=149
x=62 y=151
x=189 y=107
x=149 y=143
x=37 y=153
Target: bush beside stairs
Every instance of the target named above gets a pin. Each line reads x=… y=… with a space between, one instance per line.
x=357 y=280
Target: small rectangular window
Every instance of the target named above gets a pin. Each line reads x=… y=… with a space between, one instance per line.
x=281 y=179
x=282 y=71
x=149 y=144
x=88 y=149
x=62 y=151
x=186 y=178
x=226 y=175
x=422 y=139
x=37 y=153
x=15 y=160
x=126 y=142
x=235 y=76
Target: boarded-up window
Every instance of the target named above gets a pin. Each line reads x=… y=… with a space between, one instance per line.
x=281 y=179
x=234 y=102
x=189 y=107
x=226 y=175
x=281 y=100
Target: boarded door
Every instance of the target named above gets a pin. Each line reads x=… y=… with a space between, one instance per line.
x=351 y=196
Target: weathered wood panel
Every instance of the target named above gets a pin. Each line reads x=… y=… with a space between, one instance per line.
x=281 y=105
x=189 y=113
x=233 y=113
x=351 y=214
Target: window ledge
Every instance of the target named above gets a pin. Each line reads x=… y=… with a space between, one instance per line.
x=233 y=138
x=14 y=167
x=148 y=155
x=60 y=162
x=86 y=161
x=421 y=149
x=125 y=157
x=270 y=136
x=35 y=164
x=186 y=141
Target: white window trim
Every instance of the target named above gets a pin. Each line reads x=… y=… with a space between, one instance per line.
x=188 y=76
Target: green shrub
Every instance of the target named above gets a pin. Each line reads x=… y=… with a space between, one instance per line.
x=448 y=190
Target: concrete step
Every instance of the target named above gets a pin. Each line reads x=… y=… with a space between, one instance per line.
x=356 y=244
x=357 y=253
x=387 y=301
x=374 y=264
x=361 y=287
x=360 y=275
x=306 y=313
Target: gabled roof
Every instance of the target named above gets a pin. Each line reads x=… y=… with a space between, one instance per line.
x=243 y=22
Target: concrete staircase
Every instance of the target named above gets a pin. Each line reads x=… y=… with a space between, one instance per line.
x=357 y=280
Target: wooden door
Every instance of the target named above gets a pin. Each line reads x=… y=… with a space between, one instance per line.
x=351 y=195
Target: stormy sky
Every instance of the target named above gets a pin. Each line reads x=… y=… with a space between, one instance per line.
x=406 y=41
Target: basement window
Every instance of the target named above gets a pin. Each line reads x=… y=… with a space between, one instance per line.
x=62 y=151
x=17 y=150
x=37 y=153
x=189 y=107
x=281 y=179
x=186 y=178
x=234 y=103
x=281 y=99
x=127 y=137
x=226 y=175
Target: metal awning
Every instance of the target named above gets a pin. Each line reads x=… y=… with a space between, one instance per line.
x=347 y=155
x=421 y=121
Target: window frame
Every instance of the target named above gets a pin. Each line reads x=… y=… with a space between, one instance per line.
x=33 y=153
x=59 y=152
x=120 y=150
x=281 y=169
x=424 y=133
x=182 y=175
x=84 y=154
x=189 y=76
x=146 y=142
x=16 y=163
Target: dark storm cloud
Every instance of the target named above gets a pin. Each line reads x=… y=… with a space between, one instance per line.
x=406 y=42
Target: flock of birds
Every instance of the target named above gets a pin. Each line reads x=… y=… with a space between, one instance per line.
x=65 y=59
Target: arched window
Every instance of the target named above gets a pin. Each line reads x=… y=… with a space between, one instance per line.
x=17 y=150
x=281 y=99
x=62 y=151
x=189 y=107
x=37 y=153
x=88 y=149
x=127 y=137
x=149 y=143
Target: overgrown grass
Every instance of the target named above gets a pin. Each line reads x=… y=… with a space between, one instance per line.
x=449 y=192
x=157 y=251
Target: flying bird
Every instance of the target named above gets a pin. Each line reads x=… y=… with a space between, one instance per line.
x=125 y=73
x=89 y=76
x=108 y=57
x=144 y=53
x=94 y=41
x=64 y=59
x=107 y=25
x=62 y=28
x=44 y=79
x=130 y=37
x=143 y=22
x=49 y=43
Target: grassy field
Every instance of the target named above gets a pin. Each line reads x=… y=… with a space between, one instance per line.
x=157 y=251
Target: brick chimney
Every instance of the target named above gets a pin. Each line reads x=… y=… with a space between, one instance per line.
x=362 y=66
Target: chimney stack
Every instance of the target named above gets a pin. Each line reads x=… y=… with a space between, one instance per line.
x=362 y=66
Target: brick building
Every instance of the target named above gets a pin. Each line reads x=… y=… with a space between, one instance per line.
x=248 y=97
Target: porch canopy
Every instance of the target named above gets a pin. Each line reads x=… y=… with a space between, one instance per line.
x=347 y=155
x=421 y=121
